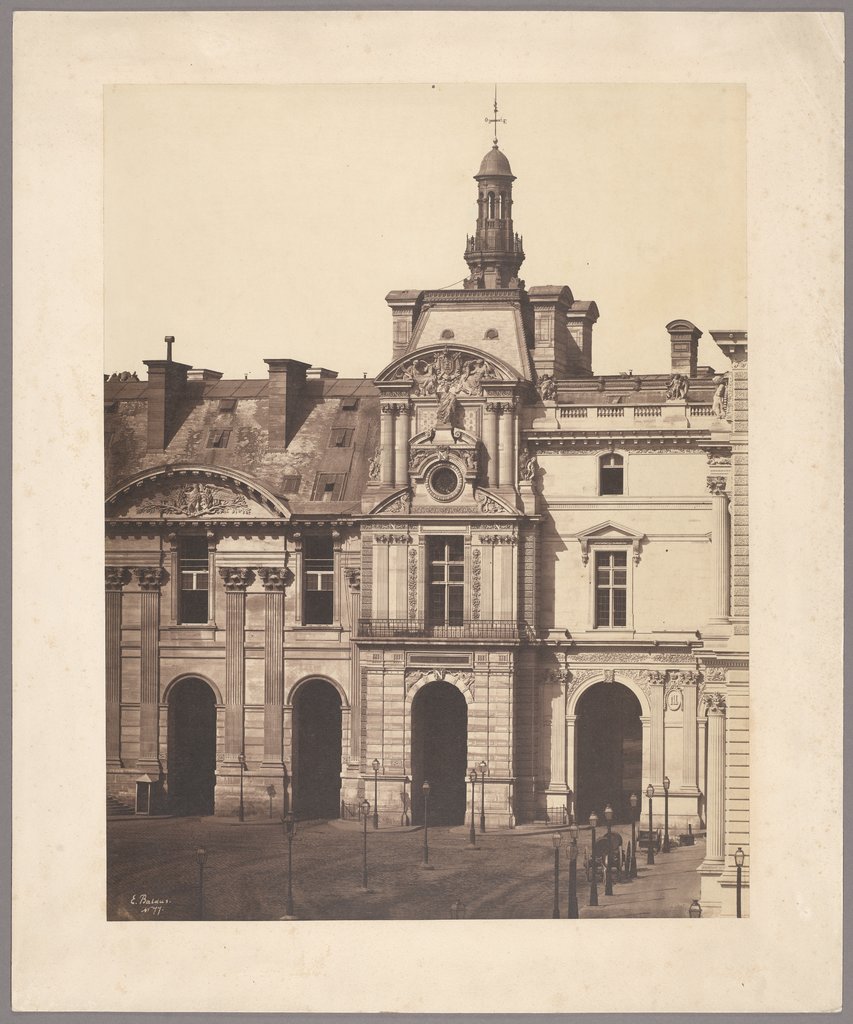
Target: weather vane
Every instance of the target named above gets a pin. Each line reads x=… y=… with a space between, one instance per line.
x=496 y=120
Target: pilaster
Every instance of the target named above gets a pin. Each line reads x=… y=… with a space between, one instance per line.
x=150 y=580
x=386 y=444
x=274 y=580
x=115 y=578
x=236 y=581
x=715 y=702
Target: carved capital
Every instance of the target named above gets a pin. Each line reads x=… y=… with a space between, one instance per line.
x=656 y=678
x=274 y=578
x=115 y=577
x=715 y=702
x=389 y=408
x=391 y=538
x=236 y=579
x=717 y=484
x=150 y=577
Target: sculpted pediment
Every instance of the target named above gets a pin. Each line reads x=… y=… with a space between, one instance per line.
x=439 y=370
x=194 y=494
x=609 y=533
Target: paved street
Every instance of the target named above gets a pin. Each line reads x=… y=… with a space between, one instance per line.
x=153 y=873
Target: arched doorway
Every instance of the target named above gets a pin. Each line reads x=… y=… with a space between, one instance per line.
x=192 y=747
x=439 y=753
x=317 y=751
x=609 y=751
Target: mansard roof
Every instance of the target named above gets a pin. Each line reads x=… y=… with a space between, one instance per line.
x=296 y=476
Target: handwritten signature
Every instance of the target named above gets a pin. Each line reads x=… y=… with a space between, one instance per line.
x=151 y=905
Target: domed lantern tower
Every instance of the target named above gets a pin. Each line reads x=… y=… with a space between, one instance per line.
x=494 y=254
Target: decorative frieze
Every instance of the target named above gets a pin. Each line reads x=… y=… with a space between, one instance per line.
x=476 y=580
x=413 y=583
x=498 y=538
x=392 y=538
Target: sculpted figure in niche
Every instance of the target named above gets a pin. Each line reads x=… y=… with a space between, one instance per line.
x=720 y=402
x=547 y=388
x=374 y=466
x=527 y=465
x=677 y=388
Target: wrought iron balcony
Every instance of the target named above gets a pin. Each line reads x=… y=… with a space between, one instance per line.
x=466 y=629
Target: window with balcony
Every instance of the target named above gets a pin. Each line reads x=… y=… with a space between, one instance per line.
x=611 y=474
x=194 y=571
x=611 y=589
x=319 y=579
x=446 y=580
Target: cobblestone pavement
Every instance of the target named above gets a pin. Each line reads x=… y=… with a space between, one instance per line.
x=153 y=873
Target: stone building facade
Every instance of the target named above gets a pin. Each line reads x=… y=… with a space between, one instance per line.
x=487 y=556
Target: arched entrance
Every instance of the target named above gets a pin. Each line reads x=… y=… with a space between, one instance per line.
x=317 y=751
x=192 y=747
x=609 y=751
x=439 y=753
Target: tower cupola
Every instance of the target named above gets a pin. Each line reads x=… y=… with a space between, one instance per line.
x=494 y=253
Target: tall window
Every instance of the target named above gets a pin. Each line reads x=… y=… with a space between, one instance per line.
x=446 y=580
x=611 y=588
x=611 y=474
x=195 y=580
x=319 y=556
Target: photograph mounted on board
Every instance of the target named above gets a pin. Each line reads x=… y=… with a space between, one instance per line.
x=419 y=604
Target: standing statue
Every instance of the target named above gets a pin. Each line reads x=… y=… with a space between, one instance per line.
x=547 y=387
x=527 y=465
x=374 y=466
x=720 y=402
x=676 y=390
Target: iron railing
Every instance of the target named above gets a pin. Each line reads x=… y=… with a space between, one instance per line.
x=466 y=629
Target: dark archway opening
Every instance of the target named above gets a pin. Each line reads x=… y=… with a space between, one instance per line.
x=192 y=748
x=609 y=751
x=317 y=751
x=439 y=753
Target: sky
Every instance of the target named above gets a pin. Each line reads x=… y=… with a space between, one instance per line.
x=272 y=220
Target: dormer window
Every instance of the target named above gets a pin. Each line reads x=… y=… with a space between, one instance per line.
x=611 y=474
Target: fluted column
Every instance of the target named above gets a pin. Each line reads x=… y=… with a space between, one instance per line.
x=656 y=729
x=274 y=580
x=236 y=581
x=386 y=444
x=556 y=797
x=507 y=445
x=401 y=446
x=720 y=547
x=716 y=785
x=490 y=440
x=150 y=579
x=689 y=732
x=115 y=579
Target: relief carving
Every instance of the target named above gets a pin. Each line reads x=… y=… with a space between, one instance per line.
x=677 y=388
x=547 y=387
x=475 y=582
x=353 y=578
x=196 y=499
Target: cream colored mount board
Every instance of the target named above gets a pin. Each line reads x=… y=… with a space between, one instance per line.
x=76 y=180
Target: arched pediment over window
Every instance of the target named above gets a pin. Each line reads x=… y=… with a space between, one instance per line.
x=439 y=369
x=194 y=494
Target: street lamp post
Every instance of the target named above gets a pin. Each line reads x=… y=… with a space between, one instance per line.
x=365 y=811
x=650 y=856
x=201 y=857
x=242 y=759
x=404 y=817
x=483 y=769
x=665 y=814
x=739 y=855
x=472 y=835
x=593 y=885
x=290 y=832
x=632 y=866
x=426 y=864
x=557 y=838
x=569 y=797
x=573 y=874
x=608 y=882
x=375 y=792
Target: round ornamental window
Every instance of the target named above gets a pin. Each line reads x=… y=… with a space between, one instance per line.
x=444 y=483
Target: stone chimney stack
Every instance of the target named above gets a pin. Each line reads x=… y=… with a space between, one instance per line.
x=405 y=309
x=684 y=342
x=287 y=380
x=167 y=384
